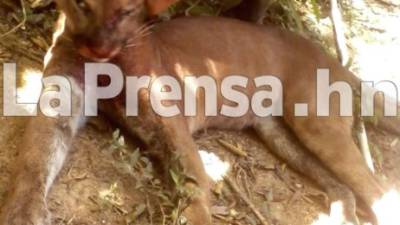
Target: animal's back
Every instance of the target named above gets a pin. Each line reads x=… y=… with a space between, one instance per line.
x=234 y=46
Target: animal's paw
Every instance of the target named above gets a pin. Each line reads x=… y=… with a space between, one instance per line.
x=198 y=213
x=25 y=211
x=343 y=206
x=338 y=216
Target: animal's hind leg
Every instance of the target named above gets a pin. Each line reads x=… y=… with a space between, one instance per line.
x=283 y=144
x=177 y=151
x=330 y=139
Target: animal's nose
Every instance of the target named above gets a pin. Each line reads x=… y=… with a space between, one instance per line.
x=97 y=46
x=101 y=51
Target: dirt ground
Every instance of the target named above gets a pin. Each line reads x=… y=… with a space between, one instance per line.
x=97 y=187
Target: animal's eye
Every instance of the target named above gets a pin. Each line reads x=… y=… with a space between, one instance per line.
x=128 y=12
x=82 y=4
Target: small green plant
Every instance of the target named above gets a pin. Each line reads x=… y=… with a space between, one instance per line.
x=111 y=196
x=164 y=205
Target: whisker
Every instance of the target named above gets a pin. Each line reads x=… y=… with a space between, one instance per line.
x=133 y=42
x=145 y=26
x=144 y=34
x=140 y=28
x=142 y=31
x=133 y=45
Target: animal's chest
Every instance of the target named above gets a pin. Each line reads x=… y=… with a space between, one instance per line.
x=144 y=125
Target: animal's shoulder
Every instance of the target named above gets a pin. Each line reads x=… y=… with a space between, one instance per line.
x=208 y=30
x=208 y=23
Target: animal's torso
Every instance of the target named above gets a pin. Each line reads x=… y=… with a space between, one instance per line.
x=224 y=47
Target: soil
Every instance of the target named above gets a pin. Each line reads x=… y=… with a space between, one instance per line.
x=94 y=167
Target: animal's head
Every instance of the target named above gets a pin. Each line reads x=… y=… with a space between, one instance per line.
x=101 y=28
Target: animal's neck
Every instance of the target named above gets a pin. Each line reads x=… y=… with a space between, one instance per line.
x=141 y=57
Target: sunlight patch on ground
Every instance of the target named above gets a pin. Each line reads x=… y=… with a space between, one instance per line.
x=378 y=52
x=387 y=208
x=31 y=88
x=336 y=216
x=214 y=166
x=378 y=62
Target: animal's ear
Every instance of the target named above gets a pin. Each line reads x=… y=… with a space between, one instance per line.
x=63 y=3
x=77 y=20
x=155 y=7
x=60 y=3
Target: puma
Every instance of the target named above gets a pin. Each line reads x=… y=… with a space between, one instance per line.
x=117 y=32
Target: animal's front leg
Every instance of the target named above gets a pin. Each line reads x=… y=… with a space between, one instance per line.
x=180 y=153
x=42 y=153
x=45 y=146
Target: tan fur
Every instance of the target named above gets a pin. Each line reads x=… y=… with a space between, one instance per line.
x=208 y=45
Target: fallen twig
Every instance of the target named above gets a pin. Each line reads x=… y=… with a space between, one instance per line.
x=149 y=209
x=340 y=38
x=22 y=23
x=288 y=184
x=221 y=218
x=41 y=3
x=27 y=53
x=164 y=217
x=234 y=149
x=364 y=145
x=71 y=220
x=388 y=3
x=246 y=200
